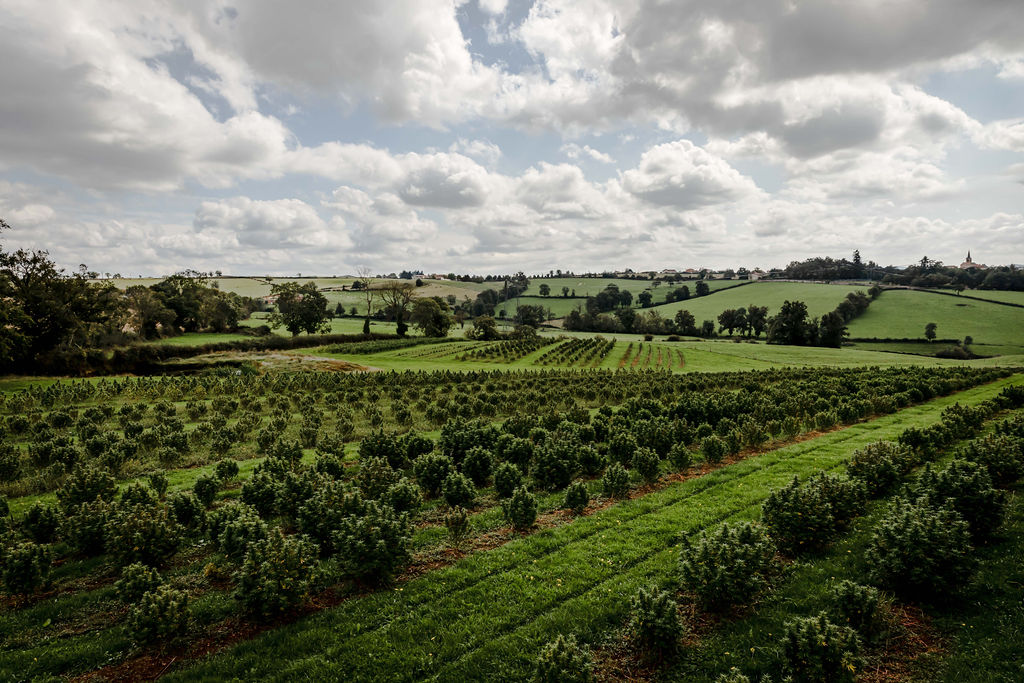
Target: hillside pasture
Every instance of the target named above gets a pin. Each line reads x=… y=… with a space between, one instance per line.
x=820 y=299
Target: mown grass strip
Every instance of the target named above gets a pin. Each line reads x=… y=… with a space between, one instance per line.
x=500 y=606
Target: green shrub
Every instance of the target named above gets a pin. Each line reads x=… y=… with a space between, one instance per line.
x=237 y=531
x=136 y=580
x=157 y=482
x=727 y=566
x=431 y=471
x=226 y=470
x=260 y=491
x=375 y=477
x=26 y=568
x=160 y=614
x=857 y=606
x=681 y=457
x=576 y=497
x=590 y=460
x=137 y=494
x=814 y=649
x=880 y=466
x=477 y=465
x=713 y=449
x=41 y=523
x=287 y=452
x=967 y=488
x=920 y=551
x=458 y=526
x=403 y=496
x=84 y=485
x=621 y=446
x=141 y=533
x=615 y=482
x=371 y=546
x=385 y=445
x=205 y=489
x=458 y=490
x=554 y=464
x=654 y=622
x=507 y=478
x=320 y=516
x=521 y=509
x=647 y=463
x=10 y=462
x=187 y=510
x=277 y=574
x=564 y=661
x=516 y=450
x=1001 y=454
x=806 y=517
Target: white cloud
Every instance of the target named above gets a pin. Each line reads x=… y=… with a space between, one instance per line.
x=682 y=175
x=574 y=151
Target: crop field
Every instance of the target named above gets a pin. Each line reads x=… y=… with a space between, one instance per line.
x=904 y=314
x=229 y=485
x=820 y=299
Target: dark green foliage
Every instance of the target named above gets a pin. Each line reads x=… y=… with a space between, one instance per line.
x=205 y=489
x=615 y=482
x=921 y=551
x=654 y=622
x=856 y=606
x=458 y=490
x=161 y=614
x=680 y=456
x=237 y=531
x=576 y=497
x=84 y=485
x=260 y=491
x=85 y=528
x=431 y=471
x=41 y=523
x=382 y=444
x=10 y=462
x=372 y=546
x=458 y=525
x=226 y=470
x=403 y=495
x=521 y=509
x=621 y=446
x=815 y=650
x=507 y=478
x=321 y=515
x=187 y=510
x=806 y=517
x=564 y=661
x=647 y=463
x=142 y=533
x=329 y=464
x=554 y=464
x=880 y=466
x=287 y=452
x=477 y=465
x=516 y=450
x=590 y=460
x=376 y=476
x=713 y=449
x=26 y=568
x=727 y=566
x=296 y=488
x=965 y=487
x=137 y=494
x=276 y=575
x=1001 y=454
x=136 y=580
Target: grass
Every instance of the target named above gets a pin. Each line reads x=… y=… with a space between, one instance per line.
x=820 y=299
x=903 y=313
x=488 y=615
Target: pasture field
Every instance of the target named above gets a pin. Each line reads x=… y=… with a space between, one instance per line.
x=996 y=295
x=820 y=299
x=903 y=313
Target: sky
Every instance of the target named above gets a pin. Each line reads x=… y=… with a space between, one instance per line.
x=492 y=136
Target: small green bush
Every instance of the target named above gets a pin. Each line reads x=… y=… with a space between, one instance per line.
x=205 y=489
x=621 y=447
x=576 y=497
x=136 y=580
x=371 y=546
x=814 y=650
x=85 y=528
x=521 y=509
x=26 y=568
x=477 y=465
x=236 y=533
x=226 y=470
x=431 y=471
x=654 y=622
x=647 y=463
x=857 y=606
x=382 y=444
x=563 y=660
x=140 y=533
x=158 y=482
x=880 y=466
x=458 y=526
x=160 y=614
x=403 y=495
x=187 y=511
x=458 y=491
x=806 y=517
x=516 y=450
x=554 y=464
x=375 y=477
x=507 y=478
x=41 y=523
x=615 y=482
x=681 y=457
x=921 y=551
x=84 y=485
x=967 y=488
x=276 y=575
x=727 y=566
x=260 y=491
x=713 y=449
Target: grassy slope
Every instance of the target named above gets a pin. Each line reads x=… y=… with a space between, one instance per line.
x=820 y=299
x=488 y=615
x=904 y=313
x=996 y=295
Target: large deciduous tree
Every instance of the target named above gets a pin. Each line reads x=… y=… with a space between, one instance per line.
x=300 y=308
x=397 y=297
x=430 y=317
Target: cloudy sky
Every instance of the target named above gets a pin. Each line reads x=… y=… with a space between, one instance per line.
x=317 y=136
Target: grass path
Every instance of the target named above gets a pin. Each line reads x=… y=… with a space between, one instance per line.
x=488 y=615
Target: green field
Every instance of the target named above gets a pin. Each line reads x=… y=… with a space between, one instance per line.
x=996 y=295
x=902 y=313
x=820 y=299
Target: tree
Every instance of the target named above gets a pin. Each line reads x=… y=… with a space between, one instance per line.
x=300 y=308
x=530 y=315
x=364 y=283
x=397 y=297
x=430 y=318
x=565 y=292
x=146 y=312
x=757 y=319
x=545 y=290
x=702 y=288
x=484 y=329
x=832 y=329
x=790 y=325
x=644 y=298
x=686 y=323
x=929 y=331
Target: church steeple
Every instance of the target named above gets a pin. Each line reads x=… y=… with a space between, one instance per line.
x=969 y=257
